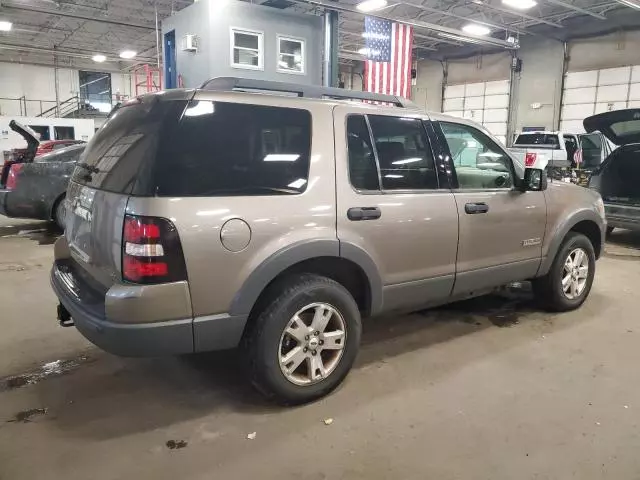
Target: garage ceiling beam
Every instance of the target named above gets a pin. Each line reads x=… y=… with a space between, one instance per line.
x=27 y=8
x=568 y=6
x=450 y=32
x=498 y=26
x=516 y=14
x=65 y=53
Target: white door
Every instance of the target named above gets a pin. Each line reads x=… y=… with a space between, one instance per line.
x=596 y=91
x=486 y=103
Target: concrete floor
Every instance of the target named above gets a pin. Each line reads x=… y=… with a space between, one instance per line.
x=447 y=394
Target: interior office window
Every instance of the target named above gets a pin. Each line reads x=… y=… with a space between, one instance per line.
x=42 y=131
x=290 y=55
x=64 y=133
x=247 y=49
x=404 y=153
x=478 y=160
x=228 y=149
x=363 y=172
x=95 y=91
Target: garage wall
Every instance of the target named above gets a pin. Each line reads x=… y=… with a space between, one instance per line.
x=38 y=83
x=616 y=50
x=608 y=66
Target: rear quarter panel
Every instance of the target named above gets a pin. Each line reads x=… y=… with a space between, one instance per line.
x=39 y=185
x=276 y=222
x=567 y=204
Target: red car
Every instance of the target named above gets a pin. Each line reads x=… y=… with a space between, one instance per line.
x=50 y=145
x=35 y=148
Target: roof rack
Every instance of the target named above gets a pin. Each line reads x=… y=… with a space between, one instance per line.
x=297 y=90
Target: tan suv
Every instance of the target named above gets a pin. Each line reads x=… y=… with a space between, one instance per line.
x=214 y=218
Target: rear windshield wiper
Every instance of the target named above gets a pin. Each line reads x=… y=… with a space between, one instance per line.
x=89 y=168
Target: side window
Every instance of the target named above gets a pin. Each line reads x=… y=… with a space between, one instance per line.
x=363 y=172
x=478 y=160
x=228 y=149
x=404 y=153
x=591 y=150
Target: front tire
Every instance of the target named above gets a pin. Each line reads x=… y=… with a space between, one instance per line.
x=304 y=343
x=569 y=281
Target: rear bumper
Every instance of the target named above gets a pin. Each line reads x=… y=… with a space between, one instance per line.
x=173 y=337
x=622 y=216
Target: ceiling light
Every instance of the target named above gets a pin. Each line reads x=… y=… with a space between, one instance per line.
x=371 y=5
x=127 y=54
x=520 y=4
x=5 y=26
x=628 y=3
x=475 y=29
x=99 y=58
x=459 y=38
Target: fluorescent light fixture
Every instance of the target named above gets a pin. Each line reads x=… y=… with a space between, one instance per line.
x=404 y=161
x=371 y=5
x=297 y=183
x=476 y=29
x=128 y=54
x=281 y=157
x=520 y=4
x=368 y=52
x=459 y=38
x=5 y=26
x=99 y=58
x=203 y=107
x=627 y=3
x=391 y=175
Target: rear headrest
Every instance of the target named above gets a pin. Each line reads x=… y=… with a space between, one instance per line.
x=390 y=150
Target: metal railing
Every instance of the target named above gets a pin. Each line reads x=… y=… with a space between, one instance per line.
x=24 y=107
x=73 y=106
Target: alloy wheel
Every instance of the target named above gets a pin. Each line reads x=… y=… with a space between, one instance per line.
x=312 y=344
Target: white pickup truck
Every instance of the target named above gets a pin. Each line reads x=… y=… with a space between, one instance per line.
x=560 y=150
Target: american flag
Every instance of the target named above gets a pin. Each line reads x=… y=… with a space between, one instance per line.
x=388 y=51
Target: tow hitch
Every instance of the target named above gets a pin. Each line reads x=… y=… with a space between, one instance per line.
x=64 y=317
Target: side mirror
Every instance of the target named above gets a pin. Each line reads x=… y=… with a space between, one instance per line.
x=535 y=180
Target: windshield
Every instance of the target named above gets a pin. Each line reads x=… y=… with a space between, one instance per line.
x=547 y=139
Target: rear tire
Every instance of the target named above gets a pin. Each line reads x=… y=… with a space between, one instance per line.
x=60 y=213
x=568 y=283
x=295 y=347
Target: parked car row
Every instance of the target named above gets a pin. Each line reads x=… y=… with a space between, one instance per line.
x=33 y=181
x=549 y=150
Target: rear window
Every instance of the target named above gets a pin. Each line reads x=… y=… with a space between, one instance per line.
x=121 y=153
x=230 y=149
x=538 y=139
x=626 y=128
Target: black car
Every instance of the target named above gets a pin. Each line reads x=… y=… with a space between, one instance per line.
x=36 y=189
x=618 y=177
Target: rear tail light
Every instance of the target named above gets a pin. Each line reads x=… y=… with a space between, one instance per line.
x=530 y=159
x=12 y=178
x=151 y=251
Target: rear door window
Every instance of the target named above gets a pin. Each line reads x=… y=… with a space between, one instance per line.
x=226 y=149
x=404 y=154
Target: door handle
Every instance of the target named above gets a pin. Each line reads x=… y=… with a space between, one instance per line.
x=356 y=214
x=474 y=208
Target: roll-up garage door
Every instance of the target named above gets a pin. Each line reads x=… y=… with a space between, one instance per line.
x=486 y=103
x=596 y=91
